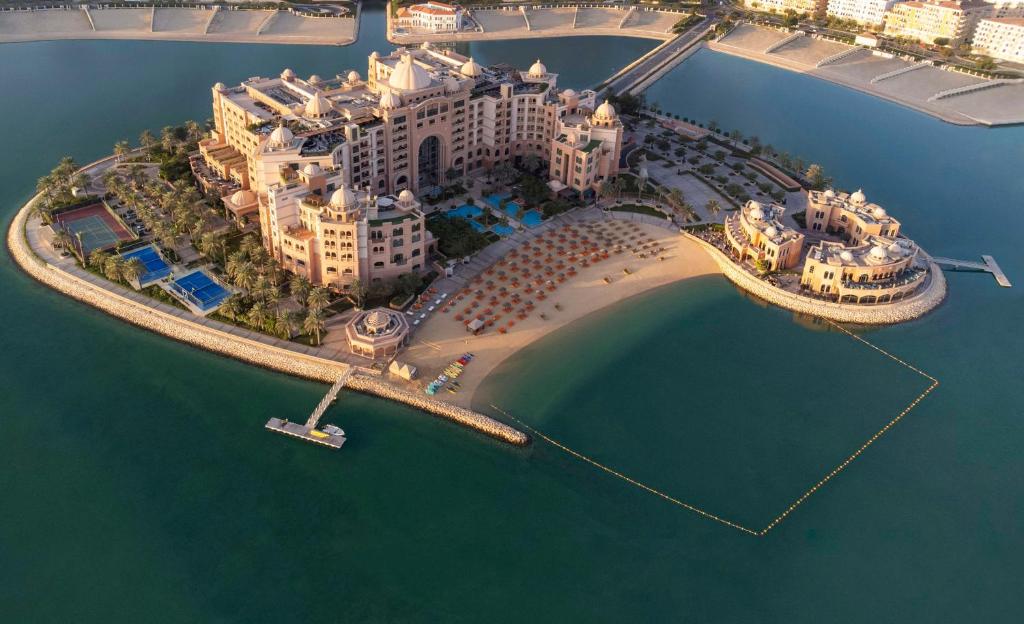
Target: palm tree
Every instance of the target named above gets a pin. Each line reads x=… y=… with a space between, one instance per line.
x=300 y=288
x=147 y=140
x=258 y=315
x=531 y=162
x=233 y=307
x=121 y=149
x=713 y=207
x=318 y=299
x=314 y=324
x=132 y=270
x=98 y=258
x=358 y=292
x=62 y=239
x=285 y=324
x=112 y=268
x=245 y=275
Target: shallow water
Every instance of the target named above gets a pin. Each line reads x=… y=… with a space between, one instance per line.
x=140 y=484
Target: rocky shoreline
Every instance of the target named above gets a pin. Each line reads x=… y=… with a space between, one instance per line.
x=243 y=349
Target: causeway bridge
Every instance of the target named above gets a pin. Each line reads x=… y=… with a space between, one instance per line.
x=988 y=266
x=640 y=74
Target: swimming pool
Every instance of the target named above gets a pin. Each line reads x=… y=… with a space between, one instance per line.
x=200 y=290
x=465 y=211
x=503 y=230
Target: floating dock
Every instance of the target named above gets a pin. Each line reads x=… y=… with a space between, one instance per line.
x=296 y=430
x=988 y=266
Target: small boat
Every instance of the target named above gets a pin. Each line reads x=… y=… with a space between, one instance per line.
x=334 y=431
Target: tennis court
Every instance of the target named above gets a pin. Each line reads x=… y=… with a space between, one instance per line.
x=200 y=290
x=154 y=266
x=95 y=226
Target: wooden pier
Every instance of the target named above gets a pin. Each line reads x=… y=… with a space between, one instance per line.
x=988 y=266
x=309 y=432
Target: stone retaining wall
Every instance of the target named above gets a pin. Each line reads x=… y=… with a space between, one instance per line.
x=244 y=349
x=884 y=314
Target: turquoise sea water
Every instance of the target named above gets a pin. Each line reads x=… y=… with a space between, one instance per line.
x=139 y=484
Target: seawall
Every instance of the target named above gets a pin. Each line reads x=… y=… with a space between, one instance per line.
x=240 y=348
x=883 y=314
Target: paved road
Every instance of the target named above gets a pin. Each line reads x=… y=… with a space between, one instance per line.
x=653 y=63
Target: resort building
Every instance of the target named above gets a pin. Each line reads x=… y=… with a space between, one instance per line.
x=756 y=233
x=879 y=270
x=849 y=216
x=937 y=20
x=435 y=17
x=1001 y=37
x=377 y=333
x=781 y=6
x=866 y=12
x=318 y=227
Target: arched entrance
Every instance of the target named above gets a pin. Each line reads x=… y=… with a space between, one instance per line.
x=428 y=163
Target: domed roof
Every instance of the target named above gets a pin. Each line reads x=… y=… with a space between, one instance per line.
x=878 y=212
x=343 y=198
x=451 y=84
x=353 y=76
x=288 y=75
x=315 y=79
x=374 y=54
x=858 y=198
x=219 y=87
x=895 y=249
x=390 y=101
x=408 y=76
x=878 y=253
x=846 y=256
x=829 y=194
x=606 y=111
x=318 y=106
x=756 y=211
x=377 y=321
x=406 y=196
x=569 y=93
x=241 y=198
x=538 y=70
x=281 y=137
x=471 y=68
x=771 y=232
x=311 y=170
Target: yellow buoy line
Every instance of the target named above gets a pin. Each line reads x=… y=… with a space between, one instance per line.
x=803 y=497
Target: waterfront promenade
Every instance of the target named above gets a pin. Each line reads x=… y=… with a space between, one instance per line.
x=540 y=21
x=200 y=23
x=952 y=96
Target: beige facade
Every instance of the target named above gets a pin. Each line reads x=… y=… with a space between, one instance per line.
x=938 y=19
x=867 y=12
x=879 y=270
x=756 y=233
x=1001 y=37
x=781 y=6
x=849 y=216
x=434 y=17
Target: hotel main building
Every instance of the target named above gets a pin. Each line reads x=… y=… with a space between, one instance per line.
x=418 y=119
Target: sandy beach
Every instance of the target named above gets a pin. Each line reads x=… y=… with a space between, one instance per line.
x=443 y=338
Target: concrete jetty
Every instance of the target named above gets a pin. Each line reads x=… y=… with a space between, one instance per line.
x=988 y=265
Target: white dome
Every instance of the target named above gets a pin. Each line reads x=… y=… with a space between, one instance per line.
x=569 y=93
x=311 y=170
x=318 y=106
x=288 y=75
x=451 y=84
x=846 y=256
x=878 y=253
x=390 y=101
x=858 y=198
x=315 y=79
x=605 y=111
x=408 y=76
x=878 y=212
x=771 y=232
x=343 y=198
x=406 y=196
x=353 y=76
x=219 y=87
x=829 y=194
x=241 y=198
x=895 y=249
x=374 y=54
x=756 y=211
x=281 y=137
x=538 y=70
x=471 y=68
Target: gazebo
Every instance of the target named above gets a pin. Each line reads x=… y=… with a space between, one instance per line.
x=377 y=333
